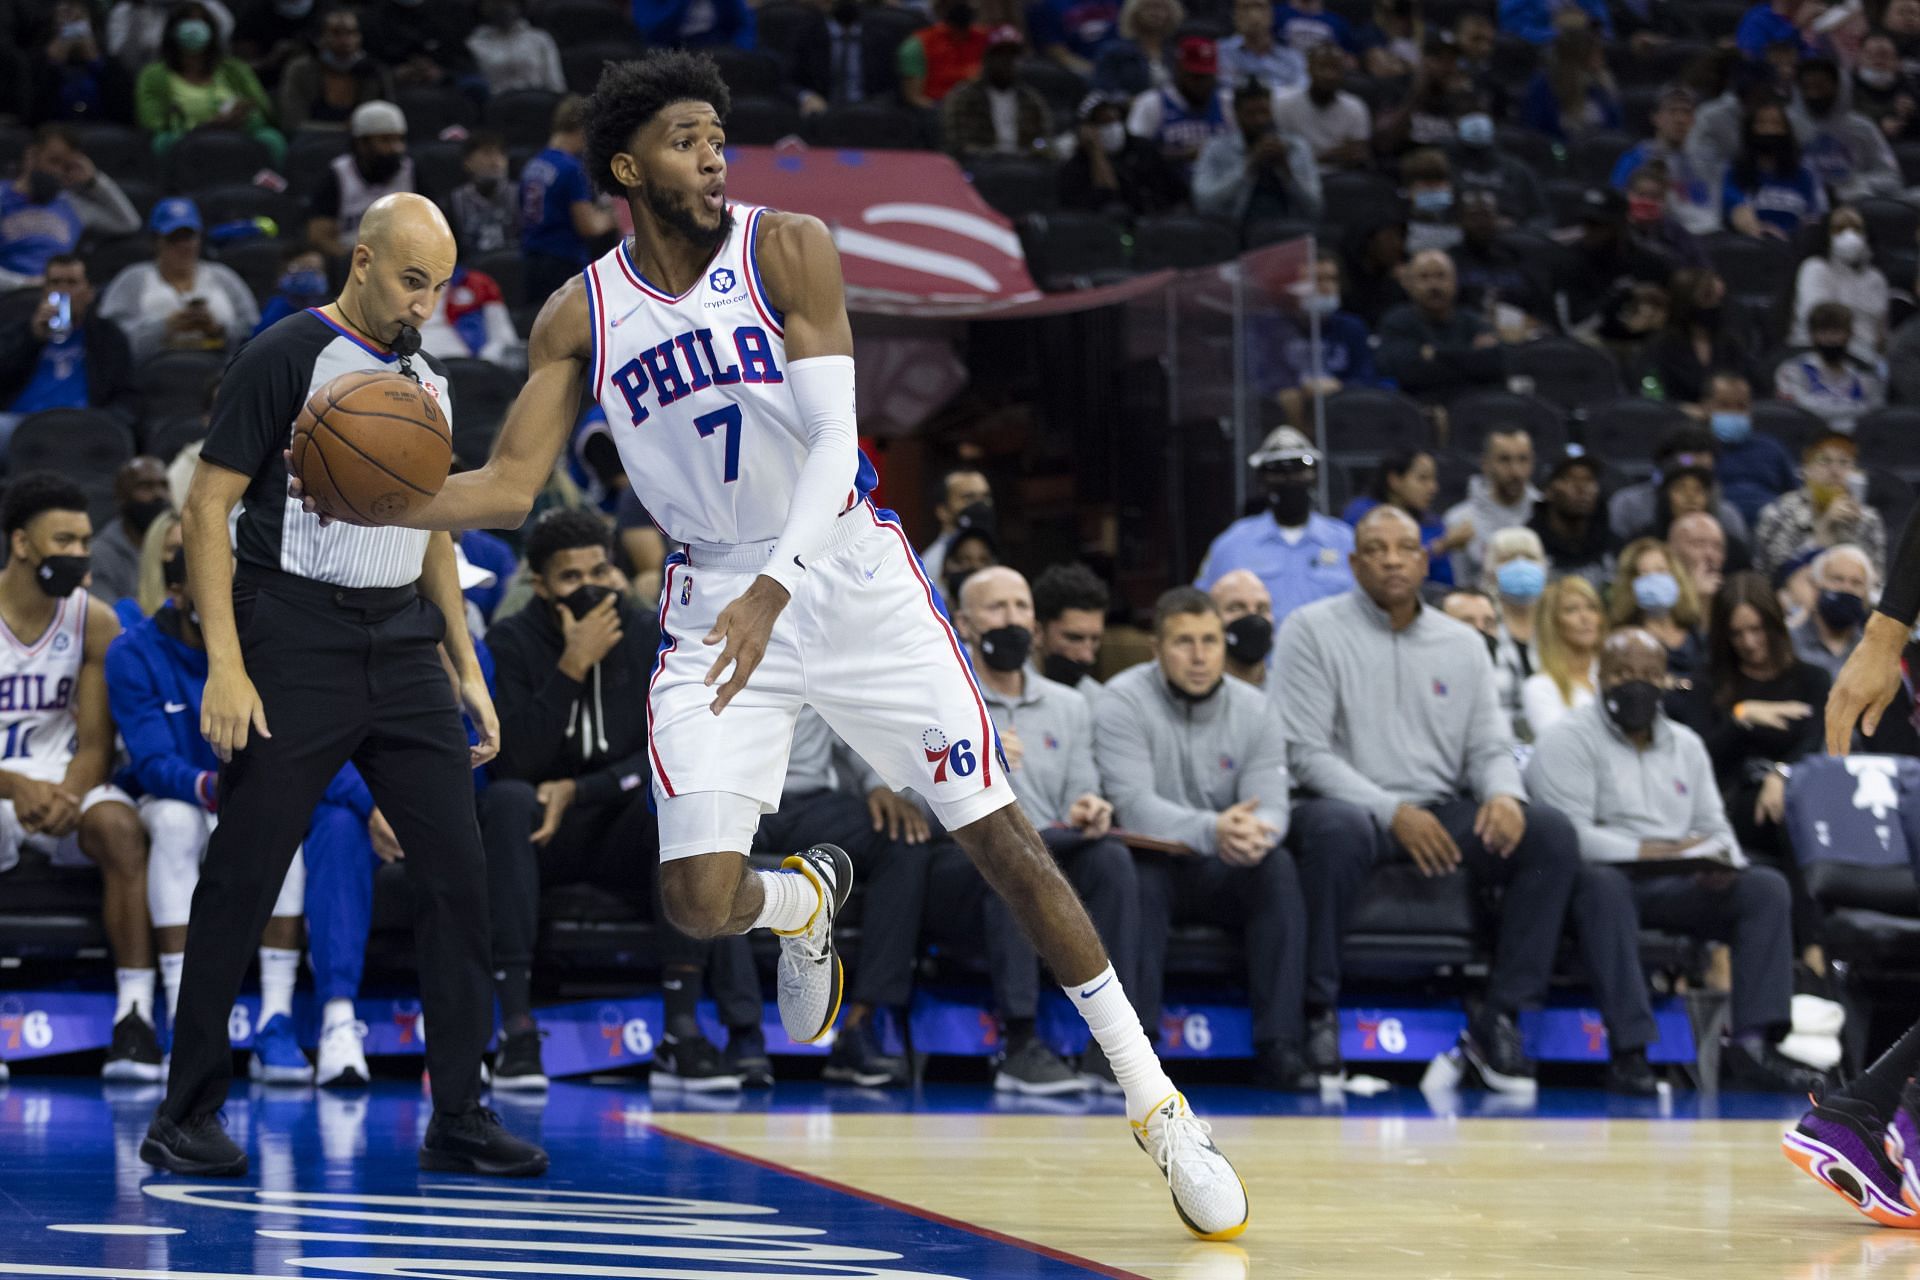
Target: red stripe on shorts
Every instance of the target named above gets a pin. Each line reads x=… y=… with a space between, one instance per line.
x=673 y=642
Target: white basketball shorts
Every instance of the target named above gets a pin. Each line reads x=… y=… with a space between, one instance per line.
x=865 y=641
x=63 y=850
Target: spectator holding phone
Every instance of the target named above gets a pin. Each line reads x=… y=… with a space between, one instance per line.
x=180 y=301
x=66 y=357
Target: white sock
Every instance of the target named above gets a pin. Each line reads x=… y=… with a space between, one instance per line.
x=278 y=969
x=336 y=1012
x=791 y=900
x=172 y=963
x=1111 y=1018
x=135 y=992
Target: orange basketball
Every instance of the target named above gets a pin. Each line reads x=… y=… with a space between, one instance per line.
x=371 y=446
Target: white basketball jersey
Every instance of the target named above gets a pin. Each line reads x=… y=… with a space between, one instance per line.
x=38 y=730
x=696 y=396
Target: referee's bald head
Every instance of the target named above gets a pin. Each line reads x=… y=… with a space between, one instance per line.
x=402 y=261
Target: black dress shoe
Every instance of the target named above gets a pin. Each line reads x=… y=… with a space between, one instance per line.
x=1770 y=1071
x=476 y=1142
x=1493 y=1045
x=1628 y=1073
x=1323 y=1043
x=1281 y=1067
x=197 y=1146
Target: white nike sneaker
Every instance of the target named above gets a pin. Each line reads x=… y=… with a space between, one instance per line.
x=343 y=1062
x=810 y=977
x=1207 y=1194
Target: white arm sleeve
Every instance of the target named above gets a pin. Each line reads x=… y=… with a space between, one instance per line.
x=823 y=392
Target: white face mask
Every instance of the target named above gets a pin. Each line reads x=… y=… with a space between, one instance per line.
x=1113 y=137
x=1850 y=247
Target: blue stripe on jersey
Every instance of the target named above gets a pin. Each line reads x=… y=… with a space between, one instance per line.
x=778 y=316
x=593 y=329
x=866 y=480
x=626 y=257
x=353 y=337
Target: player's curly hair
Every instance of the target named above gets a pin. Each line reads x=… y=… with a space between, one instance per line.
x=563 y=530
x=38 y=491
x=630 y=94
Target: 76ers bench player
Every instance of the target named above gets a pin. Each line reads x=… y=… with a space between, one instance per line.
x=718 y=344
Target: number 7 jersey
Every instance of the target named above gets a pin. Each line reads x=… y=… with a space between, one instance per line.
x=696 y=396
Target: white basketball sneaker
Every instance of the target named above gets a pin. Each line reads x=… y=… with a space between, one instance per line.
x=1207 y=1194
x=810 y=977
x=343 y=1062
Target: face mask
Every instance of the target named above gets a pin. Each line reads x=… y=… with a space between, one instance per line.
x=1841 y=610
x=1320 y=304
x=1521 y=580
x=1633 y=705
x=1434 y=202
x=1831 y=352
x=1643 y=210
x=293 y=8
x=303 y=284
x=1493 y=648
x=1113 y=137
x=380 y=168
x=1771 y=147
x=1006 y=648
x=584 y=599
x=1731 y=428
x=1817 y=106
x=1877 y=79
x=1476 y=130
x=193 y=35
x=139 y=515
x=1850 y=247
x=42 y=187
x=1656 y=592
x=1064 y=670
x=174 y=571
x=76 y=31
x=61 y=576
x=978 y=515
x=339 y=61
x=1290 y=504
x=1249 y=639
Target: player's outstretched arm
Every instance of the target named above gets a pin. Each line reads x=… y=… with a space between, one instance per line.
x=1866 y=685
x=499 y=495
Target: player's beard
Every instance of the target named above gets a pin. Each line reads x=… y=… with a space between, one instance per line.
x=676 y=213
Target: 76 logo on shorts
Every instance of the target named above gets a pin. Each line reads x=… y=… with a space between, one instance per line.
x=943 y=755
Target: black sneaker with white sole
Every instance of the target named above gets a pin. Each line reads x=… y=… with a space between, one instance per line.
x=691 y=1064
x=517 y=1065
x=746 y=1057
x=1493 y=1045
x=197 y=1147
x=476 y=1142
x=1030 y=1068
x=856 y=1059
x=1323 y=1044
x=135 y=1051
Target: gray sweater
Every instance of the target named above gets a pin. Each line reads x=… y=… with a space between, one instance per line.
x=1381 y=718
x=1171 y=766
x=1617 y=795
x=1056 y=744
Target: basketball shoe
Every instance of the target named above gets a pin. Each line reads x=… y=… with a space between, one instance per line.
x=810 y=977
x=1903 y=1144
x=1838 y=1145
x=1207 y=1194
x=277 y=1058
x=343 y=1058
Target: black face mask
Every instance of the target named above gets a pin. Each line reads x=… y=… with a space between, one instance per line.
x=173 y=571
x=978 y=515
x=1493 y=648
x=1841 y=610
x=1064 y=670
x=1831 y=352
x=959 y=16
x=1006 y=648
x=381 y=168
x=42 y=187
x=583 y=600
x=1290 y=504
x=61 y=576
x=138 y=516
x=1633 y=705
x=1708 y=317
x=1191 y=699
x=1249 y=639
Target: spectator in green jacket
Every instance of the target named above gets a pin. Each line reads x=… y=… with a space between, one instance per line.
x=197 y=84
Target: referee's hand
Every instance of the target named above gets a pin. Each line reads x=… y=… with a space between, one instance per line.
x=229 y=708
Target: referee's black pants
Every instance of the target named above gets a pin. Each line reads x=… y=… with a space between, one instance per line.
x=343 y=674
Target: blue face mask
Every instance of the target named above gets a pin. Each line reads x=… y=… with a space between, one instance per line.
x=1476 y=130
x=1731 y=428
x=193 y=35
x=1521 y=580
x=1437 y=201
x=1656 y=592
x=303 y=284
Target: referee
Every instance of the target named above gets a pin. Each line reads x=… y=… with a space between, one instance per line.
x=323 y=646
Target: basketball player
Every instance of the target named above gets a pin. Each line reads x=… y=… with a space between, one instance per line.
x=717 y=341
x=56 y=742
x=322 y=647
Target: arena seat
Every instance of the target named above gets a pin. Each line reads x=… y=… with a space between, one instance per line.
x=777 y=26
x=430 y=109
x=85 y=445
x=309 y=153
x=165 y=438
x=1072 y=249
x=229 y=201
x=116 y=150
x=508 y=270
x=1759 y=273
x=1014 y=185
x=581 y=65
x=175 y=382
x=523 y=116
x=1265 y=231
x=1063 y=89
x=208 y=156
x=260 y=262
x=1890 y=221
x=1565 y=372
x=573 y=22
x=438 y=167
x=748 y=70
x=1592 y=158
x=761 y=121
x=1472 y=416
x=1354 y=198
x=1892 y=496
x=1890 y=438
x=869 y=126
x=1182 y=240
x=1791 y=425
x=1368 y=420
x=1629 y=430
x=1529 y=146
x=482 y=394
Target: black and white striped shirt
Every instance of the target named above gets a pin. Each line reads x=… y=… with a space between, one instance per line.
x=265 y=386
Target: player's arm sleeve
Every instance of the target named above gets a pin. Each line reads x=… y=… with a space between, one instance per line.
x=1563 y=775
x=1127 y=777
x=139 y=713
x=1307 y=715
x=253 y=412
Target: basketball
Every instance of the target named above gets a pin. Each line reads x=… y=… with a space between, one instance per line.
x=371 y=446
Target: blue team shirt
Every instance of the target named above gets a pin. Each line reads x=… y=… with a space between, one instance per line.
x=1295 y=573
x=1082 y=26
x=551 y=184
x=32 y=233
x=59 y=380
x=1782 y=202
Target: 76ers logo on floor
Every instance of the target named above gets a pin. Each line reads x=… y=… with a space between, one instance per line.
x=957 y=756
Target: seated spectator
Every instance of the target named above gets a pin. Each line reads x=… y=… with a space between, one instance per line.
x=1390 y=45
x=136 y=28
x=1630 y=320
x=1246 y=609
x=966 y=501
x=1639 y=788
x=485 y=209
x=1882 y=90
x=1902 y=21
x=691 y=25
x=971 y=548
x=1421 y=767
x=1305 y=25
x=1606 y=258
x=1515 y=577
x=1502 y=496
x=179 y=301
x=1828 y=509
x=74 y=81
x=1831 y=381
x=1439 y=92
x=1654 y=591
x=1197 y=761
x=936 y=58
x=1636 y=507
x=1252 y=172
x=1408 y=479
x=153 y=670
x=513 y=54
x=1700 y=545
x=1903 y=360
x=1474 y=37
x=1375 y=255
x=1497 y=276
x=1479 y=166
x=1692 y=196
x=1752 y=469
x=1432 y=347
x=426 y=43
x=140 y=496
x=1573 y=95
x=58 y=197
x=1848 y=585
x=1072 y=33
x=470 y=321
x=1699 y=337
x=1183 y=117
x=1767 y=190
x=1142 y=57
x=833 y=61
x=1070 y=617
x=322 y=89
x=67 y=355
x=1678 y=491
x=302 y=284
x=560 y=217
x=1535 y=20
x=1766 y=24
x=376 y=164
x=1845 y=151
x=1426 y=179
x=1761 y=708
x=1298 y=554
x=1110 y=169
x=1845 y=274
x=994 y=113
x=1568 y=629
x=1573 y=533
x=1652 y=224
x=197 y=84
x=1335 y=123
x=1283 y=355
x=1253 y=53
x=1475 y=608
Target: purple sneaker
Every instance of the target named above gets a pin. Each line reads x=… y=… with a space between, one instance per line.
x=1839 y=1150
x=1903 y=1143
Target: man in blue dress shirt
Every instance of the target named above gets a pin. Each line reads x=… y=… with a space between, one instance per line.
x=1298 y=553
